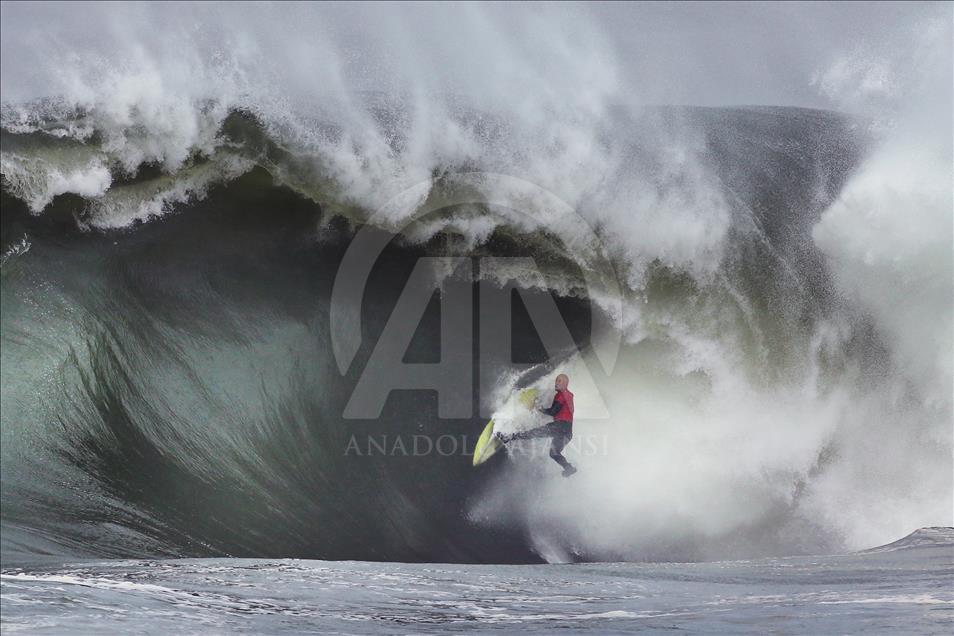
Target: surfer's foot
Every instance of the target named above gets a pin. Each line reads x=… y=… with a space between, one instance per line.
x=501 y=437
x=569 y=470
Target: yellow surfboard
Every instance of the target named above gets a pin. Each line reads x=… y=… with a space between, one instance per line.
x=487 y=444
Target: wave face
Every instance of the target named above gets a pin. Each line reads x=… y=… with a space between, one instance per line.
x=920 y=538
x=173 y=223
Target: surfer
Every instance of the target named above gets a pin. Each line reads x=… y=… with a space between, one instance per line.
x=560 y=429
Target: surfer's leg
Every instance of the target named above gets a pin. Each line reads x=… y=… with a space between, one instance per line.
x=547 y=430
x=561 y=433
x=556 y=450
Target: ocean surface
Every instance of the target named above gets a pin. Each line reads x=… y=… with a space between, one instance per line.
x=904 y=588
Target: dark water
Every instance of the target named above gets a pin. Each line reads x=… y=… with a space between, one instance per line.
x=173 y=323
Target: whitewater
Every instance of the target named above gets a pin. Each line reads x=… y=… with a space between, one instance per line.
x=759 y=302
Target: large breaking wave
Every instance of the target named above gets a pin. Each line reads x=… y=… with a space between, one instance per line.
x=173 y=222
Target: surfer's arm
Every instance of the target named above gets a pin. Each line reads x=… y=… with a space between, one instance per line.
x=552 y=410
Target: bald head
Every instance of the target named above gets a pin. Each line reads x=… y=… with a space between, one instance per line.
x=562 y=381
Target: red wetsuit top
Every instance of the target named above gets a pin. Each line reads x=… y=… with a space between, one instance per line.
x=563 y=399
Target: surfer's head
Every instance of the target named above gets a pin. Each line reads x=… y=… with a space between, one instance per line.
x=562 y=381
